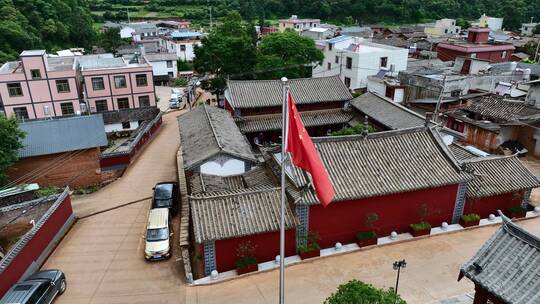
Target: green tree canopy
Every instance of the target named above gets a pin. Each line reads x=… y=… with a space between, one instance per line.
x=355 y=291
x=110 y=39
x=10 y=142
x=286 y=54
x=536 y=29
x=227 y=52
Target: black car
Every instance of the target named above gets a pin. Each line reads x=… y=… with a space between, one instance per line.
x=166 y=196
x=41 y=287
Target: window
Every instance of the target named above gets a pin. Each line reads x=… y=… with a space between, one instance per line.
x=455 y=93
x=36 y=74
x=126 y=125
x=120 y=82
x=62 y=86
x=21 y=113
x=123 y=103
x=14 y=89
x=141 y=80
x=169 y=63
x=144 y=101
x=348 y=82
x=384 y=62
x=98 y=84
x=446 y=31
x=330 y=46
x=336 y=60
x=473 y=55
x=67 y=108
x=503 y=55
x=329 y=66
x=182 y=47
x=101 y=106
x=348 y=63
x=170 y=74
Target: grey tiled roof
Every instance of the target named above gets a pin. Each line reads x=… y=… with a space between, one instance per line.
x=260 y=123
x=217 y=217
x=386 y=112
x=508 y=265
x=208 y=131
x=385 y=163
x=206 y=183
x=460 y=153
x=134 y=114
x=269 y=93
x=498 y=175
x=500 y=110
x=52 y=136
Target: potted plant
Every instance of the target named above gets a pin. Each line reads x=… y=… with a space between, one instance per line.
x=247 y=262
x=517 y=212
x=423 y=227
x=310 y=248
x=468 y=220
x=369 y=237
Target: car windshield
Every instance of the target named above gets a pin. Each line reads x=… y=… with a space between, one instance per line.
x=156 y=235
x=163 y=192
x=162 y=203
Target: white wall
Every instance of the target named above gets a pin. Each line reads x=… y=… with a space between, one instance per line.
x=160 y=68
x=223 y=166
x=118 y=127
x=126 y=32
x=375 y=86
x=175 y=47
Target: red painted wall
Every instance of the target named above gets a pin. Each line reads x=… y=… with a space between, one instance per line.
x=35 y=246
x=341 y=221
x=266 y=248
x=489 y=205
x=493 y=56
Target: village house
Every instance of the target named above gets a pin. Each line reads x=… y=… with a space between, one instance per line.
x=164 y=66
x=182 y=43
x=357 y=31
x=476 y=46
x=386 y=86
x=527 y=29
x=138 y=31
x=493 y=23
x=298 y=25
x=61 y=151
x=354 y=59
x=533 y=94
x=318 y=33
x=442 y=27
x=213 y=144
x=182 y=24
x=256 y=106
x=506 y=268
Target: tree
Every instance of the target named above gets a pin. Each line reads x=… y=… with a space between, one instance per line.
x=536 y=29
x=227 y=52
x=286 y=54
x=110 y=39
x=10 y=142
x=355 y=291
x=464 y=24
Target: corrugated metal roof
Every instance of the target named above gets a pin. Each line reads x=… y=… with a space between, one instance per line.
x=178 y=34
x=386 y=112
x=207 y=131
x=508 y=265
x=498 y=175
x=269 y=93
x=217 y=217
x=45 y=137
x=260 y=123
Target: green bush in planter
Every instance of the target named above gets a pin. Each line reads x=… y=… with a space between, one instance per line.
x=517 y=209
x=355 y=291
x=368 y=235
x=246 y=261
x=308 y=247
x=421 y=226
x=473 y=217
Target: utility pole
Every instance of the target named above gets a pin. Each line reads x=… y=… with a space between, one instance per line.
x=439 y=101
x=127 y=11
x=211 y=23
x=536 y=53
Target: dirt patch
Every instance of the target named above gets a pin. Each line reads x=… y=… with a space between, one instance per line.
x=11 y=234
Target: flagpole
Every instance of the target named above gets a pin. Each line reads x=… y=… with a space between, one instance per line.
x=284 y=82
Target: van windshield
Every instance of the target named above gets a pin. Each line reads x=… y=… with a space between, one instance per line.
x=156 y=235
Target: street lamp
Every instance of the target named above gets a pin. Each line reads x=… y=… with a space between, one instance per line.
x=397 y=266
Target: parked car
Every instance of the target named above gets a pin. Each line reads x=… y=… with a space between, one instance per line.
x=157 y=236
x=166 y=196
x=41 y=287
x=174 y=104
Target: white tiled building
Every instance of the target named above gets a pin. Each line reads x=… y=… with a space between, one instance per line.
x=354 y=59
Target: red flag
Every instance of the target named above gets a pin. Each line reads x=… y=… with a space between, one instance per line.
x=304 y=155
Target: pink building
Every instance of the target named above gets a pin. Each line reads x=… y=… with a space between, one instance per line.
x=39 y=86
x=114 y=83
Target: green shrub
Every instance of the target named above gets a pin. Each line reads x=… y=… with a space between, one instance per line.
x=473 y=217
x=180 y=82
x=308 y=247
x=421 y=226
x=355 y=291
x=47 y=191
x=368 y=235
x=517 y=209
x=246 y=261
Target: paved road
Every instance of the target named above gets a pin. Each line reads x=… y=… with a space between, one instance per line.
x=102 y=255
x=430 y=276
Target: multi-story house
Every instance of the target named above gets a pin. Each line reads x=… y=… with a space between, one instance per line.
x=527 y=29
x=181 y=43
x=115 y=83
x=442 y=27
x=38 y=86
x=354 y=59
x=298 y=24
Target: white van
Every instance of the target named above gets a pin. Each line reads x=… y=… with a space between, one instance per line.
x=157 y=235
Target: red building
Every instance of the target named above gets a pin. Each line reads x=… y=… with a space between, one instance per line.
x=476 y=46
x=506 y=268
